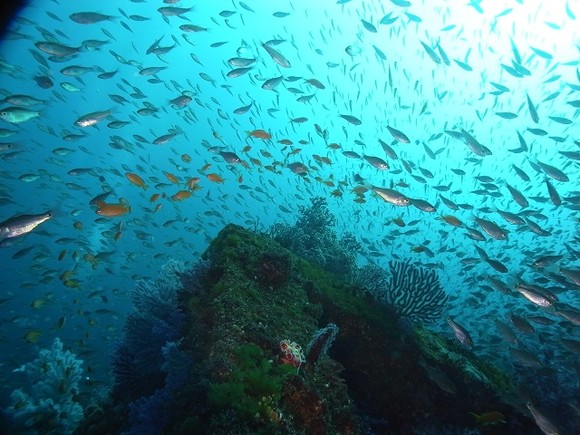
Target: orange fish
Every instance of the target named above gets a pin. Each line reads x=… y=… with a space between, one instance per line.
x=255 y=161
x=333 y=146
x=171 y=177
x=72 y=283
x=32 y=336
x=246 y=149
x=205 y=167
x=154 y=197
x=157 y=207
x=186 y=158
x=181 y=195
x=67 y=274
x=285 y=142
x=359 y=190
x=78 y=225
x=260 y=134
x=489 y=418
x=266 y=154
x=90 y=258
x=136 y=180
x=321 y=159
x=192 y=183
x=215 y=178
x=452 y=220
x=112 y=210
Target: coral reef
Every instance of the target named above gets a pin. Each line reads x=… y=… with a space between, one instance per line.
x=51 y=407
x=313 y=238
x=372 y=279
x=151 y=363
x=446 y=352
x=273 y=270
x=149 y=415
x=156 y=320
x=241 y=381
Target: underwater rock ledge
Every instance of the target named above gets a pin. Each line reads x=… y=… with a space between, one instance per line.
x=380 y=375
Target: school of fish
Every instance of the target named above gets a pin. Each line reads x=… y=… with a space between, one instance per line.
x=132 y=132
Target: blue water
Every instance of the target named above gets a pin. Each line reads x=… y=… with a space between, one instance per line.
x=388 y=79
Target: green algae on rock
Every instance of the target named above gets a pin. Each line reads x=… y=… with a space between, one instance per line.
x=255 y=295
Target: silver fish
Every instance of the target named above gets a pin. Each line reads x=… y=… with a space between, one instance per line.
x=572 y=274
x=526 y=358
x=56 y=49
x=392 y=196
x=92 y=118
x=277 y=56
x=492 y=229
x=89 y=17
x=22 y=224
x=398 y=135
x=460 y=333
x=536 y=295
x=543 y=423
x=377 y=162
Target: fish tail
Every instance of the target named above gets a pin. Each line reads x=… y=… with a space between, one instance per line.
x=477 y=417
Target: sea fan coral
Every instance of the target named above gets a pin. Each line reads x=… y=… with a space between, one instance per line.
x=415 y=292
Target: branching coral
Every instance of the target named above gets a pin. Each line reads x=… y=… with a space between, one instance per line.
x=373 y=279
x=156 y=320
x=51 y=407
x=314 y=239
x=149 y=415
x=194 y=280
x=158 y=297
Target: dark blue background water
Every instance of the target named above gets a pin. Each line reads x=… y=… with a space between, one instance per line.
x=387 y=79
